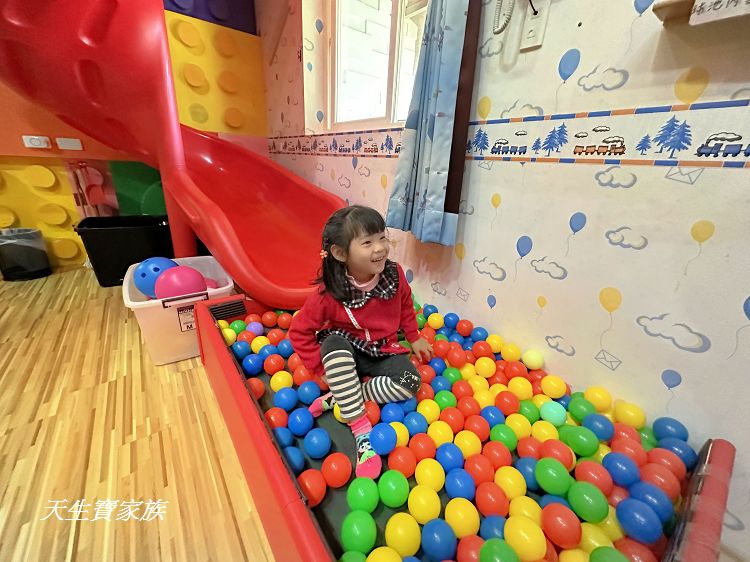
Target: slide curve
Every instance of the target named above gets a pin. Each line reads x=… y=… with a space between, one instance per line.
x=103 y=66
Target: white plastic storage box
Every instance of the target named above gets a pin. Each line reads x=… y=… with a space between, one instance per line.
x=168 y=325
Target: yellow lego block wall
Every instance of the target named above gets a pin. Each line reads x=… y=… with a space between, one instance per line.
x=218 y=76
x=36 y=193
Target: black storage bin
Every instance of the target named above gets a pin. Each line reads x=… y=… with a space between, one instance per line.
x=23 y=254
x=115 y=243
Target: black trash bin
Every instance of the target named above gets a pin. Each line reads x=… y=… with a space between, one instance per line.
x=115 y=243
x=23 y=254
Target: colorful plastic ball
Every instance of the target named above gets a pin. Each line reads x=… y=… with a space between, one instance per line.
x=440 y=432
x=435 y=321
x=269 y=350
x=285 y=348
x=317 y=443
x=450 y=320
x=313 y=485
x=680 y=448
x=229 y=335
x=511 y=481
x=629 y=414
x=526 y=465
x=383 y=438
x=600 y=425
x=459 y=484
x=255 y=327
x=402 y=434
x=393 y=488
x=478 y=426
x=507 y=402
x=462 y=517
x=408 y=406
x=363 y=494
x=669 y=427
x=639 y=521
x=477 y=383
x=669 y=460
x=543 y=431
x=337 y=469
x=561 y=525
x=510 y=352
x=257 y=387
x=308 y=392
x=553 y=386
x=588 y=502
x=610 y=526
x=391 y=413
x=421 y=321
x=458 y=338
x=148 y=271
x=528 y=410
x=403 y=460
x=521 y=387
x=547 y=499
x=553 y=412
x=269 y=319
x=533 y=359
x=383 y=554
x=438 y=365
x=464 y=327
x=498 y=454
x=300 y=422
x=480 y=469
x=294 y=458
x=337 y=413
x=607 y=554
x=556 y=449
x=579 y=408
x=492 y=527
x=258 y=343
x=493 y=415
x=529 y=447
x=439 y=540
x=504 y=435
x=281 y=380
x=285 y=398
x=519 y=424
x=283 y=436
x=425 y=392
x=631 y=448
x=454 y=418
x=583 y=441
x=429 y=309
x=593 y=537
x=525 y=537
x=449 y=456
x=444 y=398
x=479 y=334
x=241 y=349
x=661 y=477
x=622 y=468
x=358 y=532
x=599 y=397
x=276 y=417
x=484 y=398
x=552 y=476
x=423 y=446
x=440 y=384
x=468 y=442
x=302 y=375
x=245 y=336
x=452 y=375
x=403 y=535
x=655 y=498
x=284 y=320
x=274 y=364
x=634 y=550
x=462 y=389
x=596 y=474
x=524 y=506
x=430 y=473
x=415 y=423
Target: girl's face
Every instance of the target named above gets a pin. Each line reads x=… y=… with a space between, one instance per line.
x=366 y=255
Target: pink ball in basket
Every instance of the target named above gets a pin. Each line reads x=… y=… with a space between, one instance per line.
x=178 y=281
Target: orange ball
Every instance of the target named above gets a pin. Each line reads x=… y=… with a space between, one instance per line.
x=373 y=412
x=275 y=336
x=516 y=369
x=661 y=477
x=464 y=327
x=276 y=417
x=337 y=468
x=403 y=460
x=468 y=548
x=428 y=334
x=301 y=375
x=441 y=348
x=457 y=358
x=478 y=425
x=498 y=454
x=631 y=448
x=529 y=447
x=426 y=372
x=425 y=392
x=246 y=336
x=254 y=317
x=462 y=388
x=491 y=500
x=294 y=361
x=269 y=319
x=556 y=449
x=422 y=446
x=284 y=320
x=482 y=349
x=313 y=485
x=480 y=469
x=454 y=418
x=469 y=406
x=257 y=387
x=273 y=364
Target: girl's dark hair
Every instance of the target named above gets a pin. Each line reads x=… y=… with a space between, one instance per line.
x=342 y=227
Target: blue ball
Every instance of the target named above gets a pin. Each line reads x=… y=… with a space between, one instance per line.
x=600 y=425
x=252 y=365
x=241 y=349
x=415 y=423
x=459 y=484
x=564 y=400
x=444 y=331
x=451 y=320
x=438 y=365
x=383 y=438
x=669 y=427
x=622 y=469
x=285 y=348
x=295 y=459
x=391 y=413
x=493 y=415
x=438 y=540
x=655 y=498
x=429 y=309
x=308 y=392
x=492 y=527
x=286 y=399
x=550 y=498
x=300 y=422
x=457 y=338
x=268 y=350
x=498 y=356
x=680 y=448
x=467 y=345
x=526 y=466
x=449 y=456
x=147 y=272
x=440 y=383
x=409 y=405
x=317 y=443
x=639 y=521
x=411 y=559
x=479 y=334
x=283 y=436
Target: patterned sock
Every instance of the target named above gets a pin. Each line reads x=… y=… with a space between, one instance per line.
x=322 y=404
x=369 y=463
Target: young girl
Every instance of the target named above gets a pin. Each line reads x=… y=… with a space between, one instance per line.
x=349 y=327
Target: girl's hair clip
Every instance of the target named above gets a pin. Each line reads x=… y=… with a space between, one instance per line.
x=323 y=254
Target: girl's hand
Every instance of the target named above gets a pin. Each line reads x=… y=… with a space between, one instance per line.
x=422 y=349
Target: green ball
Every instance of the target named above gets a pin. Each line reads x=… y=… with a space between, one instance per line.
x=552 y=476
x=417 y=306
x=588 y=502
x=238 y=326
x=441 y=337
x=497 y=550
x=358 y=532
x=578 y=394
x=579 y=408
x=505 y=435
x=393 y=488
x=648 y=439
x=363 y=495
x=353 y=556
x=445 y=399
x=452 y=374
x=607 y=554
x=421 y=320
x=529 y=410
x=583 y=441
x=554 y=413
x=564 y=432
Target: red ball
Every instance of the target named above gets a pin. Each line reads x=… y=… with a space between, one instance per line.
x=461 y=388
x=275 y=336
x=422 y=446
x=425 y=392
x=284 y=320
x=482 y=349
x=491 y=500
x=294 y=361
x=537 y=375
x=273 y=364
x=536 y=388
x=529 y=447
x=457 y=358
x=427 y=373
x=498 y=378
x=631 y=448
x=500 y=364
x=269 y=319
x=257 y=387
x=622 y=430
x=337 y=468
x=246 y=336
x=464 y=327
x=301 y=375
x=551 y=554
x=479 y=426
x=498 y=454
x=404 y=460
x=635 y=551
x=322 y=384
x=254 y=317
x=468 y=406
x=556 y=449
x=468 y=549
x=561 y=525
x=470 y=357
x=373 y=412
x=313 y=485
x=669 y=460
x=276 y=417
x=516 y=369
x=428 y=334
x=454 y=418
x=507 y=402
x=617 y=495
x=454 y=345
x=661 y=477
x=480 y=469
x=441 y=348
x=594 y=473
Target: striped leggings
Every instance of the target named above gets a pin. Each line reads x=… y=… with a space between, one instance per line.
x=394 y=378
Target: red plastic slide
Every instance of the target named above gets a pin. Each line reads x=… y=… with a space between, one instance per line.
x=103 y=67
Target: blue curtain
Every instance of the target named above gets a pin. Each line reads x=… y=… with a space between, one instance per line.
x=419 y=189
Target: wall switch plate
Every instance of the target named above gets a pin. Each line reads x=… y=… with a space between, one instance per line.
x=535 y=25
x=36 y=141
x=66 y=143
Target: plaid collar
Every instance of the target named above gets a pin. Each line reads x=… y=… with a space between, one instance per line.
x=386 y=288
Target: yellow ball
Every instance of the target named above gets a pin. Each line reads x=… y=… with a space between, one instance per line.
x=610 y=415
x=468 y=371
x=599 y=397
x=485 y=367
x=510 y=352
x=230 y=336
x=383 y=554
x=435 y=321
x=520 y=425
x=521 y=387
x=539 y=399
x=424 y=503
x=337 y=413
x=259 y=343
x=533 y=359
x=429 y=409
x=593 y=537
x=440 y=432
x=570 y=420
x=525 y=537
x=402 y=434
x=485 y=398
x=526 y=507
x=468 y=442
x=611 y=526
x=553 y=386
x=478 y=383
x=601 y=452
x=223 y=324
x=403 y=535
x=629 y=414
x=281 y=379
x=573 y=555
x=462 y=516
x=430 y=473
x=511 y=481
x=497 y=388
x=496 y=343
x=544 y=430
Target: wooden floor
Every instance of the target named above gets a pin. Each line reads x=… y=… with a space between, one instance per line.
x=84 y=415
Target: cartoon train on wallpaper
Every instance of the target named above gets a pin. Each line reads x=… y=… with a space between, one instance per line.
x=724 y=144
x=502 y=146
x=610 y=146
